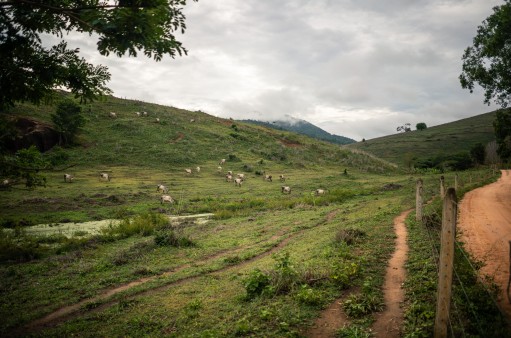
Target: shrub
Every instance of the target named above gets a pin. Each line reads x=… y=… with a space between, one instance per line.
x=357 y=306
x=309 y=296
x=349 y=236
x=169 y=238
x=18 y=246
x=143 y=225
x=256 y=283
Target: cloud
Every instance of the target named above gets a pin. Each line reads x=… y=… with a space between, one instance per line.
x=357 y=68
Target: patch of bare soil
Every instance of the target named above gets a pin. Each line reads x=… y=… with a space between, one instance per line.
x=329 y=322
x=389 y=322
x=290 y=144
x=485 y=225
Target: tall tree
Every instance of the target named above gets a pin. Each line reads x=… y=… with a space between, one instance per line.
x=30 y=72
x=68 y=119
x=488 y=61
x=502 y=126
x=421 y=126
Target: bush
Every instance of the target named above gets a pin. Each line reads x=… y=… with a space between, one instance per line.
x=18 y=246
x=349 y=236
x=256 y=283
x=169 y=238
x=143 y=225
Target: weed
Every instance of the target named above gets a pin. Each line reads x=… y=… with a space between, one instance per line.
x=144 y=225
x=169 y=238
x=353 y=331
x=256 y=283
x=309 y=296
x=359 y=305
x=349 y=236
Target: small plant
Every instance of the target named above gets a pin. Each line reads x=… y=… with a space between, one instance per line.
x=309 y=296
x=349 y=236
x=353 y=331
x=357 y=306
x=256 y=283
x=169 y=238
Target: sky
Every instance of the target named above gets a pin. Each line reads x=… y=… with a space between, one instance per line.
x=356 y=68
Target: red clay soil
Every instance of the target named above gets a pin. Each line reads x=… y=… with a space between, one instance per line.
x=329 y=322
x=485 y=226
x=389 y=322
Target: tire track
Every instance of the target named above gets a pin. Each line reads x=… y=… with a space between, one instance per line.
x=76 y=310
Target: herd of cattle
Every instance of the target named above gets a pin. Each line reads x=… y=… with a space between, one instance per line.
x=229 y=177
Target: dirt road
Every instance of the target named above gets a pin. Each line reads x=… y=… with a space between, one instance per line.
x=485 y=226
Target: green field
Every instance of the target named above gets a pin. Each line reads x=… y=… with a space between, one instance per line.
x=264 y=265
x=446 y=139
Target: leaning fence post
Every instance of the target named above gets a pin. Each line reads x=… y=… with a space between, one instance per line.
x=445 y=273
x=442 y=186
x=418 y=201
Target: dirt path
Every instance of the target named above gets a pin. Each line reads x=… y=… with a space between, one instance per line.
x=485 y=225
x=389 y=322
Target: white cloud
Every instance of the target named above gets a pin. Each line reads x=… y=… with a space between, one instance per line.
x=356 y=68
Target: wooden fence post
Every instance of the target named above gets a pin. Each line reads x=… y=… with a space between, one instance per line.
x=418 y=201
x=448 y=236
x=442 y=186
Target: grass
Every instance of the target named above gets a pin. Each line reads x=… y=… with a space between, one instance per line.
x=446 y=139
x=265 y=265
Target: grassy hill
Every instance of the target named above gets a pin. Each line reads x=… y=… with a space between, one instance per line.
x=446 y=139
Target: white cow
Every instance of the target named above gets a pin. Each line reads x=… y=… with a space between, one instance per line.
x=282 y=178
x=320 y=192
x=162 y=188
x=68 y=178
x=285 y=189
x=241 y=176
x=104 y=177
x=222 y=161
x=112 y=115
x=166 y=199
x=198 y=169
x=137 y=113
x=268 y=178
x=238 y=181
x=188 y=171
x=228 y=178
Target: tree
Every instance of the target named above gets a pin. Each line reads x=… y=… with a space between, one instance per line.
x=488 y=61
x=421 y=126
x=477 y=153
x=30 y=72
x=502 y=127
x=68 y=119
x=406 y=127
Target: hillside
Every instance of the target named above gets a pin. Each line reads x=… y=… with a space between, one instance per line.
x=303 y=127
x=446 y=140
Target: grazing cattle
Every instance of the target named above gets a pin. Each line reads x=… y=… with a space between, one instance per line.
x=238 y=181
x=157 y=120
x=6 y=182
x=241 y=176
x=285 y=189
x=268 y=178
x=192 y=120
x=112 y=115
x=228 y=178
x=198 y=169
x=222 y=161
x=68 y=178
x=104 y=177
x=166 y=199
x=229 y=172
x=137 y=113
x=188 y=171
x=144 y=113
x=320 y=192
x=162 y=188
x=282 y=178
x=219 y=169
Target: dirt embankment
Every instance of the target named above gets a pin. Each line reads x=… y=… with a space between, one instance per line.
x=485 y=226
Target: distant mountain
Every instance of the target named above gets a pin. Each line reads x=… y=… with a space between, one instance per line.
x=302 y=127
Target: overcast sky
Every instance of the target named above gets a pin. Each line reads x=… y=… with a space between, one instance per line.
x=357 y=68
